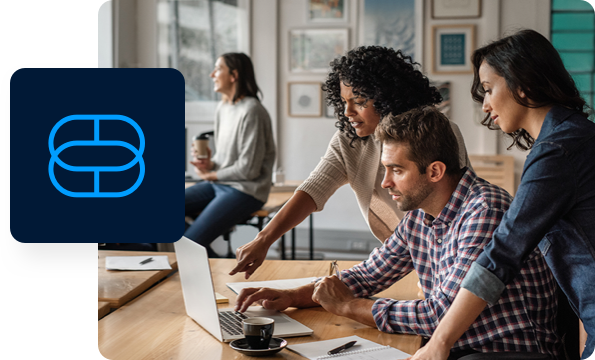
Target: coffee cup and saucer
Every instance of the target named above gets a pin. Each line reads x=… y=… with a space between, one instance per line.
x=259 y=340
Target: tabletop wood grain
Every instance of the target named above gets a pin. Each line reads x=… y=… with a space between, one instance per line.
x=119 y=287
x=155 y=325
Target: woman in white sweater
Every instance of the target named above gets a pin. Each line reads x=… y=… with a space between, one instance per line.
x=238 y=176
x=363 y=86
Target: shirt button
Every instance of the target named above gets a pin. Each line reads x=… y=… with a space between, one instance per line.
x=439 y=241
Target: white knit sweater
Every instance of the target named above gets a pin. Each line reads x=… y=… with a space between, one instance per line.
x=360 y=167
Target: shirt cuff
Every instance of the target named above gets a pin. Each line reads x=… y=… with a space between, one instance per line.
x=482 y=283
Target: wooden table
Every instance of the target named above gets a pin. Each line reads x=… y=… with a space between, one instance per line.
x=119 y=287
x=155 y=325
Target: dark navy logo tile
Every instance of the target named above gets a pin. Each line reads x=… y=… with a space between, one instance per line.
x=96 y=155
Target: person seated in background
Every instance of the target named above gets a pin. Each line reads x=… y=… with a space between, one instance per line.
x=451 y=216
x=238 y=177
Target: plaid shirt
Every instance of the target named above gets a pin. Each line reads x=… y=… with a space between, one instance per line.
x=441 y=251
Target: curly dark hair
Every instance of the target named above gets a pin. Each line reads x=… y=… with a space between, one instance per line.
x=377 y=73
x=528 y=62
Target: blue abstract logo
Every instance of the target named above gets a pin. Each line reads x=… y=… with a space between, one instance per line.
x=96 y=170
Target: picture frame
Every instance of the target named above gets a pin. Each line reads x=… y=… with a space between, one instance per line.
x=398 y=24
x=456 y=9
x=304 y=99
x=327 y=11
x=452 y=46
x=311 y=50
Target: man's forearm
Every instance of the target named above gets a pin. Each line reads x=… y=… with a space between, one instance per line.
x=360 y=310
x=302 y=297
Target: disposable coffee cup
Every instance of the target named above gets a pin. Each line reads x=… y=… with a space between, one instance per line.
x=258 y=332
x=201 y=144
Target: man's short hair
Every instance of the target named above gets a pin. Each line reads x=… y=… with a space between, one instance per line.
x=428 y=134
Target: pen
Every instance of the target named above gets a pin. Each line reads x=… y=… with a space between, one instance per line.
x=146 y=261
x=341 y=348
x=334 y=267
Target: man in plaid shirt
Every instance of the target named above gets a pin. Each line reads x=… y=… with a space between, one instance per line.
x=452 y=215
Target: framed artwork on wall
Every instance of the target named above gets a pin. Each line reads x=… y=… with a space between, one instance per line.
x=311 y=50
x=452 y=46
x=304 y=99
x=456 y=9
x=397 y=24
x=322 y=11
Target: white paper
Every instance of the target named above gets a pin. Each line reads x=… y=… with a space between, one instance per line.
x=160 y=262
x=318 y=349
x=273 y=284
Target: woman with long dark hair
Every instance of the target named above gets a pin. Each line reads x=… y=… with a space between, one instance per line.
x=237 y=178
x=363 y=86
x=529 y=95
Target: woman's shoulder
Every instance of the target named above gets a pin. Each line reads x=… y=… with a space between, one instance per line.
x=250 y=104
x=358 y=147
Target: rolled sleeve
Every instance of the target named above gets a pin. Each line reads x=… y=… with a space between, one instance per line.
x=482 y=283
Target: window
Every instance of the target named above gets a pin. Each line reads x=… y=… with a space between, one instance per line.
x=573 y=35
x=191 y=34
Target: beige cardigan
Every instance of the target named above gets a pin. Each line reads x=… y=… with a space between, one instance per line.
x=360 y=167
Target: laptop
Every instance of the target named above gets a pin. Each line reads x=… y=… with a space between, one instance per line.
x=201 y=306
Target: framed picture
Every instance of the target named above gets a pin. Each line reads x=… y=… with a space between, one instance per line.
x=311 y=50
x=332 y=11
x=304 y=99
x=456 y=9
x=452 y=46
x=397 y=24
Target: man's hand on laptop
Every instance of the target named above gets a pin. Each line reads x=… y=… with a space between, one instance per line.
x=273 y=299
x=270 y=299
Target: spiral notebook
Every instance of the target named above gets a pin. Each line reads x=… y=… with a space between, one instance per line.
x=362 y=350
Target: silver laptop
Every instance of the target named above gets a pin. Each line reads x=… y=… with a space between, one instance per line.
x=199 y=298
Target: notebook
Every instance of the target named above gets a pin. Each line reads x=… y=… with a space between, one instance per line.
x=362 y=350
x=201 y=305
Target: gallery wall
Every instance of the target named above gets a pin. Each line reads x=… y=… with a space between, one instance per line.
x=303 y=140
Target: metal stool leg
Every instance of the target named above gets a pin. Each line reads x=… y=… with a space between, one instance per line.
x=227 y=237
x=282 y=246
x=293 y=244
x=311 y=237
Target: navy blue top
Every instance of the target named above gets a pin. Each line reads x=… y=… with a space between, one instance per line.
x=554 y=208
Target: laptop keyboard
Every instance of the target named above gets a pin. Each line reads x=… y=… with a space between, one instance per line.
x=231 y=321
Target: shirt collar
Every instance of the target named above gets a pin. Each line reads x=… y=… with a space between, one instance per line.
x=450 y=211
x=554 y=117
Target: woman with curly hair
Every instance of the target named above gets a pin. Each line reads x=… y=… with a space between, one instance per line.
x=364 y=86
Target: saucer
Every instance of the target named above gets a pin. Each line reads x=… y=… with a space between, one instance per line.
x=241 y=345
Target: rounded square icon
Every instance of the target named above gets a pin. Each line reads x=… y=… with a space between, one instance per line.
x=99 y=157
x=96 y=170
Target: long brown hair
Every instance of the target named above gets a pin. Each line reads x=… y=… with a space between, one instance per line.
x=246 y=84
x=528 y=62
